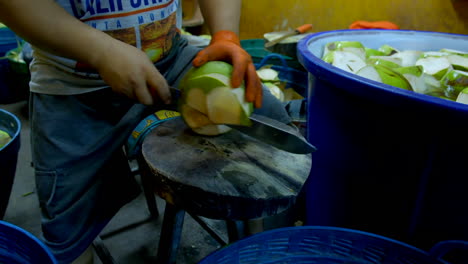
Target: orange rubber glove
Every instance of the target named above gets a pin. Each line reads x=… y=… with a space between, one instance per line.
x=225 y=46
x=361 y=24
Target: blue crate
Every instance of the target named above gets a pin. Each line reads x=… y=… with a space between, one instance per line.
x=325 y=245
x=18 y=246
x=294 y=78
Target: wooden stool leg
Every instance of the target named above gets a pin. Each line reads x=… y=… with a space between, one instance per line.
x=148 y=189
x=240 y=229
x=171 y=231
x=254 y=226
x=235 y=229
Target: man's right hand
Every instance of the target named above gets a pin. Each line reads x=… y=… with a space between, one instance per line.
x=129 y=71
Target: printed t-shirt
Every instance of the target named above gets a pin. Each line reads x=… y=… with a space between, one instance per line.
x=150 y=25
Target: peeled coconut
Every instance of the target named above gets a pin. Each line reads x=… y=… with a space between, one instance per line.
x=209 y=102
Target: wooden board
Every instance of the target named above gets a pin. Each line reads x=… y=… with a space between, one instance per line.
x=230 y=176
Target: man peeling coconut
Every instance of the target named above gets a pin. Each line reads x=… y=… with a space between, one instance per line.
x=99 y=68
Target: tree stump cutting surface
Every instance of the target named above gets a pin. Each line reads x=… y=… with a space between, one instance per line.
x=231 y=176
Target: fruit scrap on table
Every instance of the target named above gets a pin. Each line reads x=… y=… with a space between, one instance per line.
x=277 y=87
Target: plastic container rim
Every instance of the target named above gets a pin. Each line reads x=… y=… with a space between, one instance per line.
x=324 y=228
x=30 y=236
x=18 y=131
x=309 y=60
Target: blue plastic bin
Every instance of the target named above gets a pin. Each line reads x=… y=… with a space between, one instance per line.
x=7 y=40
x=8 y=157
x=389 y=161
x=12 y=84
x=327 y=245
x=18 y=246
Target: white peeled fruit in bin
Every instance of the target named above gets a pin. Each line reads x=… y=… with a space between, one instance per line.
x=345 y=60
x=268 y=74
x=407 y=57
x=275 y=91
x=463 y=96
x=414 y=75
x=435 y=66
x=4 y=138
x=354 y=47
x=384 y=75
x=458 y=62
x=209 y=102
x=441 y=73
x=456 y=52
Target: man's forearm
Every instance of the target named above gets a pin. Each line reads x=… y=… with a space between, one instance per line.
x=221 y=14
x=48 y=26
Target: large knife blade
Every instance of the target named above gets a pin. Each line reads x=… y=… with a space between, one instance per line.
x=270 y=131
x=277 y=134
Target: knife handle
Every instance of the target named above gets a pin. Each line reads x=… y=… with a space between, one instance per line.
x=304 y=28
x=298 y=30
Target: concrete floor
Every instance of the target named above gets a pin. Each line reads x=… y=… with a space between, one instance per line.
x=136 y=245
x=132 y=246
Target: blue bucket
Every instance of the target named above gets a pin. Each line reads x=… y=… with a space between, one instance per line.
x=8 y=157
x=7 y=40
x=390 y=160
x=327 y=245
x=8 y=88
x=17 y=246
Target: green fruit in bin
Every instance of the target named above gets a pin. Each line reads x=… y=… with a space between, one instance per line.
x=385 y=75
x=435 y=66
x=463 y=96
x=455 y=81
x=436 y=54
x=373 y=52
x=388 y=50
x=4 y=138
x=345 y=60
x=386 y=61
x=420 y=82
x=440 y=73
x=414 y=75
x=458 y=62
x=456 y=52
x=355 y=47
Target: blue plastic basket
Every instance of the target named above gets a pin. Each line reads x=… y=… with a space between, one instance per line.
x=8 y=156
x=325 y=245
x=18 y=246
x=294 y=78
